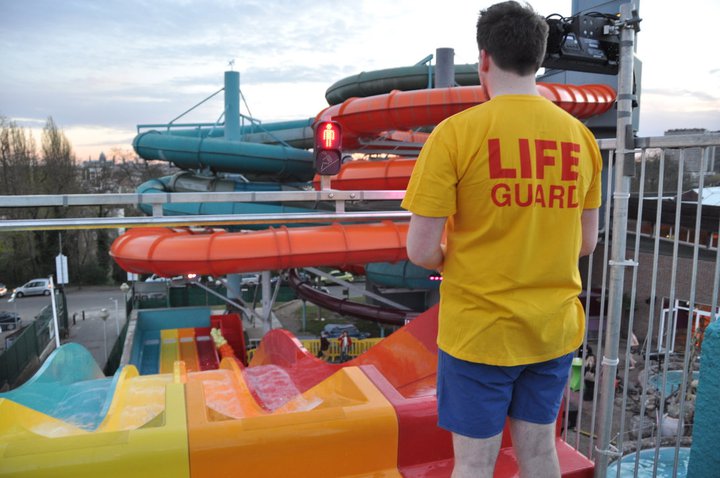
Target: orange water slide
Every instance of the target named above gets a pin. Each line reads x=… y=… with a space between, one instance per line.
x=169 y=252
x=405 y=110
x=391 y=174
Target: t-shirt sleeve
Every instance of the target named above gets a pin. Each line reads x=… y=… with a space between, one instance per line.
x=431 y=191
x=593 y=198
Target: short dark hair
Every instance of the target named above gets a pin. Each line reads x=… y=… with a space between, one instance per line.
x=514 y=35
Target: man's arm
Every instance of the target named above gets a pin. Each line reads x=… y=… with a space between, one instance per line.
x=589 y=231
x=423 y=241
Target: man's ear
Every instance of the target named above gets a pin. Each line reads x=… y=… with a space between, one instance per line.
x=484 y=61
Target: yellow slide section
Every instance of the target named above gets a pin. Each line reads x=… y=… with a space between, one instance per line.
x=343 y=426
x=143 y=435
x=188 y=349
x=137 y=400
x=169 y=349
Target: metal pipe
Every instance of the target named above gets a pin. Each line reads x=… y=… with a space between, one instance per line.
x=618 y=264
x=232 y=106
x=631 y=320
x=55 y=315
x=445 y=68
x=602 y=325
x=210 y=220
x=651 y=311
x=66 y=200
x=687 y=363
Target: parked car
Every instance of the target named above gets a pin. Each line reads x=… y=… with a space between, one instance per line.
x=3 y=290
x=334 y=331
x=250 y=279
x=9 y=320
x=34 y=287
x=338 y=274
x=157 y=278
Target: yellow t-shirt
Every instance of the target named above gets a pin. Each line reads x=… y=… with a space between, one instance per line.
x=513 y=176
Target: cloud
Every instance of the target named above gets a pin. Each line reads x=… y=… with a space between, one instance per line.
x=685 y=93
x=116 y=64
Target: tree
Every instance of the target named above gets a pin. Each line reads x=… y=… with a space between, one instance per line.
x=24 y=255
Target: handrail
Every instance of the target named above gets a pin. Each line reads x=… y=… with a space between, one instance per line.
x=205 y=221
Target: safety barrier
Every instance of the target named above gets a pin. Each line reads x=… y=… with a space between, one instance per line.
x=647 y=305
x=28 y=345
x=358 y=347
x=659 y=282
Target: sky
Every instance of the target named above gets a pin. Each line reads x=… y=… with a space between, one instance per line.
x=100 y=68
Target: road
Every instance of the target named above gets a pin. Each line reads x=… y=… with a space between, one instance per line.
x=90 y=300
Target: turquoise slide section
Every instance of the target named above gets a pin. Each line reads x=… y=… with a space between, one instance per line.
x=218 y=154
x=70 y=387
x=404 y=78
x=402 y=274
x=165 y=184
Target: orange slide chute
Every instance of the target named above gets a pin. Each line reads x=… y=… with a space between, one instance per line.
x=390 y=174
x=169 y=252
x=405 y=110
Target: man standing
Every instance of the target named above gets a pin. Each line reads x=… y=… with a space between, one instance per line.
x=324 y=345
x=344 y=342
x=514 y=183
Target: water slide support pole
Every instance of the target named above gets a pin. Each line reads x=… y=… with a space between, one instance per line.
x=232 y=106
x=624 y=169
x=266 y=303
x=232 y=133
x=444 y=68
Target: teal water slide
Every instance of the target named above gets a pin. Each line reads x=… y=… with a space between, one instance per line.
x=221 y=155
x=70 y=387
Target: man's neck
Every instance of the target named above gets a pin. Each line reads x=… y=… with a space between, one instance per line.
x=504 y=83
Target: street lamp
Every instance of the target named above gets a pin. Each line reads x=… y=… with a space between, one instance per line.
x=117 y=318
x=104 y=316
x=12 y=300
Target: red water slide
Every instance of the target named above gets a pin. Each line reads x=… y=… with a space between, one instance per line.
x=399 y=110
x=406 y=110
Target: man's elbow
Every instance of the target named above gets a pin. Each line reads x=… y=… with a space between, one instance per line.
x=588 y=246
x=590 y=219
x=423 y=258
x=417 y=257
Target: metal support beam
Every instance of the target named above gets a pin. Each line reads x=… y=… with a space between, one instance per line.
x=618 y=263
x=356 y=289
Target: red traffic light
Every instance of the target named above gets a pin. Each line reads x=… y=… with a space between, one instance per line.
x=328 y=148
x=328 y=135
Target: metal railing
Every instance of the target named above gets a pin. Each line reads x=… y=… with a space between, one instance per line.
x=30 y=343
x=332 y=354
x=671 y=270
x=669 y=263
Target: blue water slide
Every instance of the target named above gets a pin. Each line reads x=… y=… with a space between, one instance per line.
x=70 y=387
x=219 y=154
x=295 y=133
x=186 y=181
x=402 y=274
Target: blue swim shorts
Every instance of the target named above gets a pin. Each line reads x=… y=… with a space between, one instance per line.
x=474 y=398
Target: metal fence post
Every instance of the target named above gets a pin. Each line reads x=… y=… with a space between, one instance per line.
x=624 y=167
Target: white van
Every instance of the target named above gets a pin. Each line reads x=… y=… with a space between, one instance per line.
x=34 y=287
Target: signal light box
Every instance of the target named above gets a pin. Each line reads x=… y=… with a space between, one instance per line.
x=328 y=148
